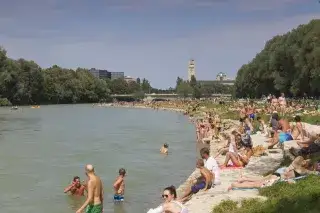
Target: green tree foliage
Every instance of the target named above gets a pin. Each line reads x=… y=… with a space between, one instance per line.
x=25 y=82
x=145 y=86
x=196 y=92
x=193 y=81
x=289 y=63
x=178 y=81
x=184 y=89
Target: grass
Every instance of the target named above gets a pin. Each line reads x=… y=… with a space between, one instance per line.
x=304 y=196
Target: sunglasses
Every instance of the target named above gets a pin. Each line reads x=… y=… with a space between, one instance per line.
x=165 y=196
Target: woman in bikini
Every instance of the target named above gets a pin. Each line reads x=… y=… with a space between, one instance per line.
x=170 y=205
x=238 y=158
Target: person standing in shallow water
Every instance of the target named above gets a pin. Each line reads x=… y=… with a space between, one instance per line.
x=94 y=201
x=75 y=188
x=119 y=186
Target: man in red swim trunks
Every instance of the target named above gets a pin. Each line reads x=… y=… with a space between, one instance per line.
x=75 y=188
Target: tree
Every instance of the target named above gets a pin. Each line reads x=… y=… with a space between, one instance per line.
x=119 y=86
x=184 y=89
x=179 y=81
x=196 y=92
x=145 y=86
x=193 y=81
x=288 y=63
x=25 y=82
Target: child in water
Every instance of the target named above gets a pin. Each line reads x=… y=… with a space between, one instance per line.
x=119 y=186
x=164 y=149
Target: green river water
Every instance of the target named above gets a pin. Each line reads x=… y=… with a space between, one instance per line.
x=42 y=149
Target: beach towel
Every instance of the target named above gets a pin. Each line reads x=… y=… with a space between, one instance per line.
x=245 y=188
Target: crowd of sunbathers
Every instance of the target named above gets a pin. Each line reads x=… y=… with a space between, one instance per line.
x=238 y=148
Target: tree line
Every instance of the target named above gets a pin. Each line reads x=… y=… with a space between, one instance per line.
x=25 y=82
x=289 y=63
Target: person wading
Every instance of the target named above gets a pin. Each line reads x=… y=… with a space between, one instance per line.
x=94 y=201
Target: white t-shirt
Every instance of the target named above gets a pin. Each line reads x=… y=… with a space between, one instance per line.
x=212 y=165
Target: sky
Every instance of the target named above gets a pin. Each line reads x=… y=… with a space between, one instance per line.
x=152 y=39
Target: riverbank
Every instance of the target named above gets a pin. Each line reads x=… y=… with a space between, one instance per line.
x=203 y=202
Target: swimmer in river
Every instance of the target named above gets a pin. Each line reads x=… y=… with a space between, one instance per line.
x=94 y=201
x=119 y=186
x=164 y=149
x=75 y=188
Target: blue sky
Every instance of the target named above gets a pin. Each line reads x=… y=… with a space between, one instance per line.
x=148 y=38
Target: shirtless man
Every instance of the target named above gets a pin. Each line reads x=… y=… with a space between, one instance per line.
x=119 y=186
x=282 y=135
x=204 y=182
x=75 y=188
x=94 y=201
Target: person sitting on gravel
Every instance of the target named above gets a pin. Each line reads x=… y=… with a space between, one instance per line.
x=282 y=135
x=211 y=164
x=298 y=129
x=170 y=205
x=262 y=128
x=237 y=158
x=210 y=133
x=204 y=182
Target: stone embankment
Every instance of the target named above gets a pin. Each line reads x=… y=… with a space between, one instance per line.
x=203 y=202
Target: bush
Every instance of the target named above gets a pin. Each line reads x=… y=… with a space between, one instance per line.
x=304 y=196
x=5 y=102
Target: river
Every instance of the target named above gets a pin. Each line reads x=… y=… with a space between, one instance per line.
x=42 y=149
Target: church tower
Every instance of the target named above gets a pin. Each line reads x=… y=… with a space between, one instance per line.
x=191 y=69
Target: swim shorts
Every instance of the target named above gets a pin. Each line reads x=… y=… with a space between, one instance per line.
x=118 y=198
x=94 y=208
x=197 y=187
x=283 y=137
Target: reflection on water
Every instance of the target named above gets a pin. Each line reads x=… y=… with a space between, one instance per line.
x=75 y=202
x=119 y=208
x=41 y=150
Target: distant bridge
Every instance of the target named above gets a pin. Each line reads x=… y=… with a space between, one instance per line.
x=164 y=96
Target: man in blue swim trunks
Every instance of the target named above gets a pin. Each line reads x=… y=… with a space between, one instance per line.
x=119 y=186
x=204 y=182
x=282 y=135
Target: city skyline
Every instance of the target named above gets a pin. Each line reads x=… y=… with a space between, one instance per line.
x=145 y=38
